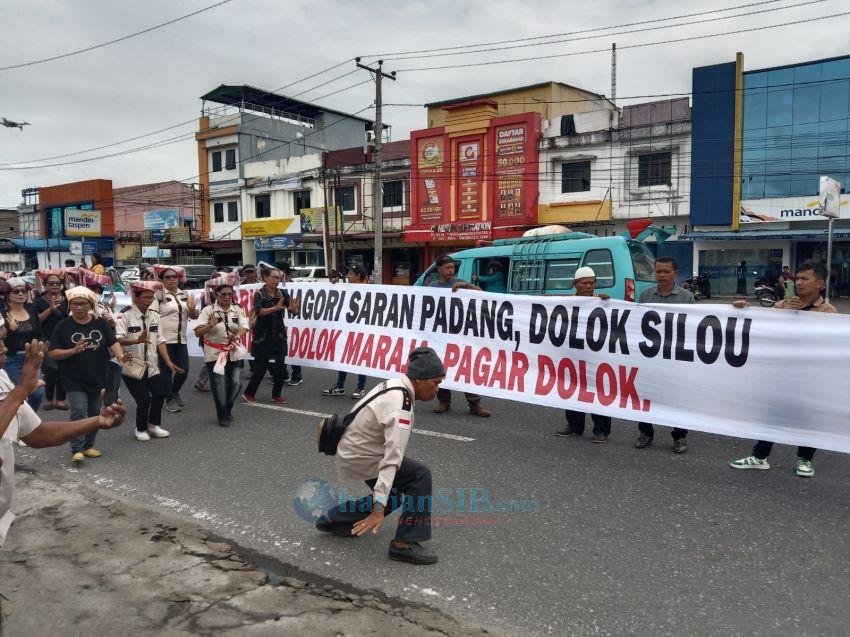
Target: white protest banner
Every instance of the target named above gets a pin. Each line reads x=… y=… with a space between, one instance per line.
x=711 y=368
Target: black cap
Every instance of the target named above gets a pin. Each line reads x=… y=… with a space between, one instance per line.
x=359 y=270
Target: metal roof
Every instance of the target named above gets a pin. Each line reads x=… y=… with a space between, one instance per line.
x=479 y=96
x=239 y=95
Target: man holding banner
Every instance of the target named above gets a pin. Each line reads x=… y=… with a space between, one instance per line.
x=808 y=284
x=584 y=281
x=446 y=272
x=665 y=290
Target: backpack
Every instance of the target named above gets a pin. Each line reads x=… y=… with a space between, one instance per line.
x=330 y=430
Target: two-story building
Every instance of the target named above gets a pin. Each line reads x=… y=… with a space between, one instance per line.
x=603 y=168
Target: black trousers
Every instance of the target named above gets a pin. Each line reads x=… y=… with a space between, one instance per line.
x=262 y=362
x=445 y=396
x=149 y=397
x=575 y=422
x=411 y=491
x=647 y=428
x=172 y=383
x=762 y=448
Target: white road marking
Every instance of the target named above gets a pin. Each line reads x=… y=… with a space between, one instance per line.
x=424 y=432
x=290 y=410
x=440 y=434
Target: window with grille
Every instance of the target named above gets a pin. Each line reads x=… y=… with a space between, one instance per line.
x=654 y=169
x=575 y=177
x=262 y=206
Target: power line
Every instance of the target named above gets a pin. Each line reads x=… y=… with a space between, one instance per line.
x=606 y=35
x=556 y=35
x=190 y=121
x=116 y=40
x=628 y=46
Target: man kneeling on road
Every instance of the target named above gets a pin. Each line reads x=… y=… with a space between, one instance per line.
x=18 y=420
x=372 y=449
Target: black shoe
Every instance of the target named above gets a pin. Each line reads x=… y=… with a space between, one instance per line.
x=680 y=446
x=413 y=553
x=224 y=422
x=567 y=433
x=324 y=525
x=643 y=441
x=294 y=382
x=600 y=438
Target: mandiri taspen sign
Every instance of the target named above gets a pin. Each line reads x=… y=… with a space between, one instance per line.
x=82 y=223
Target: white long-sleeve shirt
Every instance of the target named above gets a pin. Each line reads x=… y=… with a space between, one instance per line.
x=373 y=445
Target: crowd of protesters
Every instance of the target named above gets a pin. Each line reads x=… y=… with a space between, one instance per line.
x=86 y=347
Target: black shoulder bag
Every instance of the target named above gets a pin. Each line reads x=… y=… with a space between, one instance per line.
x=330 y=430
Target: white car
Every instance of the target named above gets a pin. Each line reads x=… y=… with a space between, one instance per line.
x=311 y=273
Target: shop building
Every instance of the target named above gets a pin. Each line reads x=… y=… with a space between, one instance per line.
x=242 y=124
x=761 y=140
x=475 y=170
x=63 y=222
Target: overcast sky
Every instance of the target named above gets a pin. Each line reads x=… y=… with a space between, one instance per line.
x=154 y=80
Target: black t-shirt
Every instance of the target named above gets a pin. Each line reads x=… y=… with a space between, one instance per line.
x=27 y=330
x=40 y=304
x=85 y=371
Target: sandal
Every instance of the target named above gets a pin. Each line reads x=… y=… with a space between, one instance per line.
x=48 y=407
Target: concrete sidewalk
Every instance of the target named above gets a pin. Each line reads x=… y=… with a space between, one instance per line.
x=79 y=560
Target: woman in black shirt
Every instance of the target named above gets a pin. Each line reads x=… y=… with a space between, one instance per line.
x=51 y=307
x=269 y=336
x=22 y=326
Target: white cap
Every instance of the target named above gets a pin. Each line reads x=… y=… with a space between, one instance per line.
x=584 y=272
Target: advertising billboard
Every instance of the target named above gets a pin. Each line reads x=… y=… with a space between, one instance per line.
x=82 y=223
x=162 y=219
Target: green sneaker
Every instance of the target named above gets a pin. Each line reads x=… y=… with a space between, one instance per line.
x=805 y=468
x=750 y=462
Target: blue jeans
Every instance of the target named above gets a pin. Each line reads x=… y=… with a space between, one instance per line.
x=13 y=367
x=225 y=388
x=83 y=405
x=340 y=380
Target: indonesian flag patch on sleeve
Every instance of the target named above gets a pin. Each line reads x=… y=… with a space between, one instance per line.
x=405 y=419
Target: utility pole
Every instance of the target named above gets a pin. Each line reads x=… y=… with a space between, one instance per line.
x=377 y=186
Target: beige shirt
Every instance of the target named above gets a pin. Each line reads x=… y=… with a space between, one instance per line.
x=229 y=322
x=173 y=315
x=373 y=445
x=23 y=424
x=130 y=323
x=819 y=306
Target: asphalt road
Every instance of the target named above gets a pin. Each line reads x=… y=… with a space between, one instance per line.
x=613 y=540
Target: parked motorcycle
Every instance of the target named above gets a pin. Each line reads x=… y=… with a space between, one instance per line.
x=699 y=286
x=765 y=293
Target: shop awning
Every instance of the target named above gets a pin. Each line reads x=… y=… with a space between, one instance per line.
x=817 y=234
x=37 y=245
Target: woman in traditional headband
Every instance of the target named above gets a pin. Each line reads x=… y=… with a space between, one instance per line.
x=51 y=307
x=176 y=308
x=82 y=345
x=137 y=329
x=222 y=326
x=22 y=326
